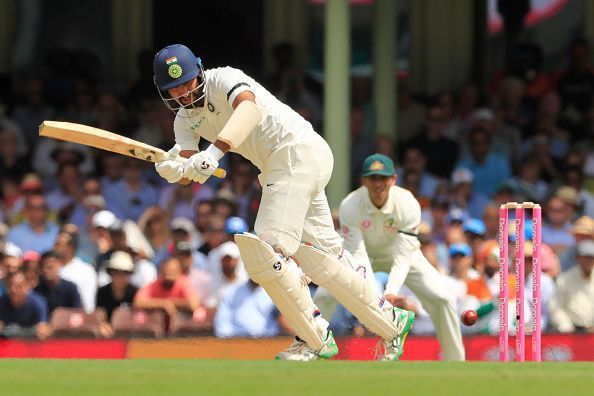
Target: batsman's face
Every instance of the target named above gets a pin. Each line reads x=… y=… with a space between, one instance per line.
x=379 y=188
x=185 y=93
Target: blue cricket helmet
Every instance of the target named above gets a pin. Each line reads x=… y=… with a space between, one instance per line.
x=175 y=65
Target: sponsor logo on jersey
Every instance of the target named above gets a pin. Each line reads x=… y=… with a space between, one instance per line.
x=366 y=224
x=390 y=224
x=345 y=230
x=197 y=124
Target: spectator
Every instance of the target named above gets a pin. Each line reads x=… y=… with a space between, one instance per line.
x=178 y=200
x=447 y=102
x=474 y=230
x=22 y=313
x=36 y=232
x=472 y=286
x=131 y=196
x=203 y=210
x=574 y=178
x=436 y=217
x=464 y=196
x=170 y=292
x=31 y=267
x=66 y=198
x=183 y=231
x=75 y=270
x=582 y=230
x=49 y=154
x=242 y=188
x=32 y=111
x=201 y=280
x=572 y=307
x=226 y=267
x=491 y=219
x=547 y=289
x=14 y=164
x=113 y=168
x=440 y=151
x=414 y=162
x=411 y=114
x=153 y=224
x=527 y=184
x=246 y=311
x=118 y=292
x=10 y=262
x=488 y=168
x=214 y=235
x=556 y=229
x=57 y=291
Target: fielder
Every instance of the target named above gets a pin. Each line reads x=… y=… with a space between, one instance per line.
x=379 y=223
x=235 y=113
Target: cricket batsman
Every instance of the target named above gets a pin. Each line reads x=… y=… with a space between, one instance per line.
x=294 y=223
x=379 y=223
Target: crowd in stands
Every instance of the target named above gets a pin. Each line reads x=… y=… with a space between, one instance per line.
x=87 y=236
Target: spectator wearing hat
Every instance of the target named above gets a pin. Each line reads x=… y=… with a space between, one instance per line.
x=57 y=291
x=31 y=267
x=488 y=168
x=572 y=307
x=225 y=266
x=582 y=230
x=171 y=292
x=23 y=313
x=246 y=310
x=200 y=279
x=36 y=233
x=472 y=288
x=132 y=195
x=75 y=270
x=414 y=161
x=119 y=291
x=145 y=271
x=475 y=230
x=50 y=153
x=463 y=195
x=182 y=230
x=556 y=228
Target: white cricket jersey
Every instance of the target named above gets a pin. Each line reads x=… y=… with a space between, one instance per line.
x=381 y=235
x=280 y=124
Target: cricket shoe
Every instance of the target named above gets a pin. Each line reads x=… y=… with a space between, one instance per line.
x=299 y=351
x=391 y=350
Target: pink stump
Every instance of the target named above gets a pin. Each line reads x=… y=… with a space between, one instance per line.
x=536 y=269
x=520 y=284
x=503 y=291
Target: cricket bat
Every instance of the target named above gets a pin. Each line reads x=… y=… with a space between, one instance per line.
x=99 y=138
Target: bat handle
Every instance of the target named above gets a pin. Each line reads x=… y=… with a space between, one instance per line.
x=219 y=172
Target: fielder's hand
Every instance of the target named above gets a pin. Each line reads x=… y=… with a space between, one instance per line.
x=171 y=170
x=200 y=167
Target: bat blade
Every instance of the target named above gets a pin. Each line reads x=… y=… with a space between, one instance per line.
x=105 y=140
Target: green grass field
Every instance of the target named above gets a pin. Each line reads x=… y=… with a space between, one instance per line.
x=218 y=377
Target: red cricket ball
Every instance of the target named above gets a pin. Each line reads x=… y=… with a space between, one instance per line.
x=469 y=317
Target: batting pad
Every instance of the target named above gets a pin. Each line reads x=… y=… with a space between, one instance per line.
x=349 y=288
x=284 y=284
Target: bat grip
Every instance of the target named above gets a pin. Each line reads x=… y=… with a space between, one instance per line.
x=219 y=172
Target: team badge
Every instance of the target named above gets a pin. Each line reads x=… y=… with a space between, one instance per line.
x=175 y=71
x=390 y=224
x=376 y=166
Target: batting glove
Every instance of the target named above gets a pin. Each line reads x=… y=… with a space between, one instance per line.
x=200 y=167
x=171 y=170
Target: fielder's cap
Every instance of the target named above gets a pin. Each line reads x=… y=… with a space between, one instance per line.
x=461 y=249
x=103 y=219
x=175 y=65
x=235 y=225
x=462 y=175
x=474 y=226
x=183 y=247
x=120 y=261
x=586 y=248
x=31 y=255
x=229 y=249
x=378 y=164
x=183 y=224
x=456 y=215
x=584 y=226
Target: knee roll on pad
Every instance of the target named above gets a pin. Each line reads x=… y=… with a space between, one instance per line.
x=349 y=288
x=285 y=285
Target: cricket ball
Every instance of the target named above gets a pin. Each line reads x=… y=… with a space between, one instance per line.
x=469 y=317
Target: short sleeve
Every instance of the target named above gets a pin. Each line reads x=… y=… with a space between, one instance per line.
x=228 y=82
x=184 y=136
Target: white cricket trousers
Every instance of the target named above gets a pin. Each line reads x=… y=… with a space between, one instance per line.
x=294 y=206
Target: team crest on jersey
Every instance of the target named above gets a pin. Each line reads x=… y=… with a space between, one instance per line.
x=376 y=166
x=366 y=224
x=390 y=224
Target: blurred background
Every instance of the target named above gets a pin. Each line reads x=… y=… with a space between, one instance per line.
x=477 y=102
